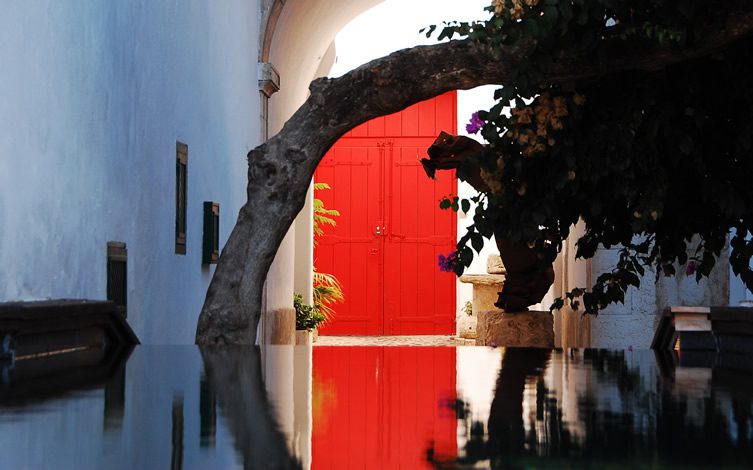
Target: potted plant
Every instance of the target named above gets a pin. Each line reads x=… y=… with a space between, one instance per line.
x=307 y=319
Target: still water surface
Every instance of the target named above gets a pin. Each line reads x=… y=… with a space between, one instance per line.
x=378 y=407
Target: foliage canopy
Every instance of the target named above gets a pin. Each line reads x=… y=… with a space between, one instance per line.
x=647 y=159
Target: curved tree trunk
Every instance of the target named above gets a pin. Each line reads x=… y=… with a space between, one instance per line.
x=280 y=170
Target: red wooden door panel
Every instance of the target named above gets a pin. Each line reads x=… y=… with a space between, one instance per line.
x=382 y=407
x=418 y=297
x=385 y=246
x=351 y=250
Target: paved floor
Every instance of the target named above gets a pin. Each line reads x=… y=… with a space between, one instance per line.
x=424 y=340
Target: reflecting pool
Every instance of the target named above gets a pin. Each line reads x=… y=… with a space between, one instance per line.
x=376 y=407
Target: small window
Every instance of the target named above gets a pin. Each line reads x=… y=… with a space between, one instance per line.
x=181 y=179
x=117 y=275
x=211 y=251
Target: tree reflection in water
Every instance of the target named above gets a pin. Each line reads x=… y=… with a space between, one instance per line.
x=599 y=407
x=234 y=374
x=506 y=432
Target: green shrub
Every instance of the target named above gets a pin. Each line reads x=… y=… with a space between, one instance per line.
x=307 y=317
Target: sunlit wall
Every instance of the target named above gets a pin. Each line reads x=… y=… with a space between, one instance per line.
x=94 y=97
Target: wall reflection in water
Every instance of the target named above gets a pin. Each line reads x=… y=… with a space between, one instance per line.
x=353 y=407
x=172 y=407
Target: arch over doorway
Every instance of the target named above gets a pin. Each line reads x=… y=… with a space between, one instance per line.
x=298 y=40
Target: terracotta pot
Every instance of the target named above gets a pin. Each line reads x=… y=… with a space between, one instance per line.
x=303 y=337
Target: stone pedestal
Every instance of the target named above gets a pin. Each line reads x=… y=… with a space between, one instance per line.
x=533 y=329
x=485 y=290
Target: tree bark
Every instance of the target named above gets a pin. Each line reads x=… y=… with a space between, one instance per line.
x=280 y=170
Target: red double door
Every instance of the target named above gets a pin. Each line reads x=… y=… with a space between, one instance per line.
x=385 y=246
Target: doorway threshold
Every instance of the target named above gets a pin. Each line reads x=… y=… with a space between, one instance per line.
x=405 y=340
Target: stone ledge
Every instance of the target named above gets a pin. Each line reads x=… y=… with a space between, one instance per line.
x=494 y=265
x=483 y=279
x=532 y=329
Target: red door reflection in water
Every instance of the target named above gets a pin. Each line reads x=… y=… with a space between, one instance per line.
x=383 y=407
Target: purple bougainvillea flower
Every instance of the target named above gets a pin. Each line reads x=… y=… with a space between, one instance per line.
x=445 y=262
x=475 y=124
x=690 y=268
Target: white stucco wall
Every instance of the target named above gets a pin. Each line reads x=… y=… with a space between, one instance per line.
x=620 y=326
x=738 y=293
x=633 y=323
x=94 y=96
x=470 y=101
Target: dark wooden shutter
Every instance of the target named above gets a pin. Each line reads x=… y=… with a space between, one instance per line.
x=117 y=275
x=211 y=249
x=181 y=199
